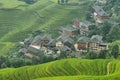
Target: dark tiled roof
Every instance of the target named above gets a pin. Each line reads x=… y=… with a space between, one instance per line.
x=33 y=50
x=37 y=39
x=52 y=42
x=83 y=39
x=23 y=50
x=46 y=37
x=28 y=40
x=96 y=38
x=99 y=10
x=64 y=48
x=86 y=23
x=65 y=38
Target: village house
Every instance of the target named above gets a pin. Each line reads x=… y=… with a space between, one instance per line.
x=64 y=41
x=69 y=31
x=31 y=52
x=99 y=14
x=22 y=51
x=51 y=43
x=82 y=45
x=76 y=23
x=26 y=42
x=36 y=43
x=96 y=44
x=45 y=40
x=102 y=1
x=64 y=50
x=82 y=26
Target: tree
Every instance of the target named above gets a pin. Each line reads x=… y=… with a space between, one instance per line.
x=2 y=59
x=115 y=51
x=102 y=54
x=35 y=60
x=58 y=1
x=62 y=55
x=3 y=65
x=91 y=55
x=114 y=34
x=105 y=28
x=17 y=62
x=93 y=30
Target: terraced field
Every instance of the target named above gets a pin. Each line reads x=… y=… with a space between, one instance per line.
x=69 y=69
x=18 y=19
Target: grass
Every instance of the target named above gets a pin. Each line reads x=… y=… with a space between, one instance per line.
x=5 y=47
x=18 y=19
x=116 y=43
x=68 y=69
x=10 y=3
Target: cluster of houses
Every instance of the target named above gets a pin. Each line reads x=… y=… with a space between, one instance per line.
x=65 y=43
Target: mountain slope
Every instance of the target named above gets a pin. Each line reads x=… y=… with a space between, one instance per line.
x=18 y=21
x=72 y=69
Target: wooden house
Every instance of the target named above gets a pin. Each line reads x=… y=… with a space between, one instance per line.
x=84 y=27
x=52 y=43
x=99 y=14
x=82 y=44
x=36 y=43
x=69 y=31
x=76 y=23
x=22 y=51
x=45 y=40
x=64 y=49
x=27 y=41
x=97 y=44
x=31 y=52
x=64 y=41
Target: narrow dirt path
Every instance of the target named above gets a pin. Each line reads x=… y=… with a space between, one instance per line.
x=108 y=68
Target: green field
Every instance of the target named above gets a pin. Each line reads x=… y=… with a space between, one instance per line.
x=18 y=19
x=68 y=69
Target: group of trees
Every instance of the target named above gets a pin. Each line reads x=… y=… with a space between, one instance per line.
x=113 y=52
x=20 y=61
x=109 y=32
x=95 y=55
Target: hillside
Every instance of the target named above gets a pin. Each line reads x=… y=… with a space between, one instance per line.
x=72 y=69
x=18 y=19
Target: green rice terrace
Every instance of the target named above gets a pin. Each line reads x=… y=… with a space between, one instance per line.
x=67 y=69
x=18 y=19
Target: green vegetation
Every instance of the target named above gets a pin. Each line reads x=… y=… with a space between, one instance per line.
x=10 y=4
x=5 y=47
x=18 y=19
x=72 y=69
